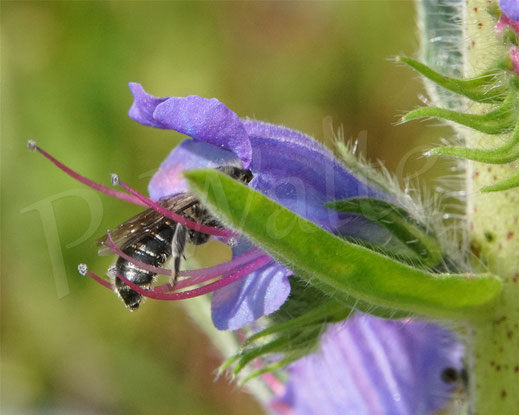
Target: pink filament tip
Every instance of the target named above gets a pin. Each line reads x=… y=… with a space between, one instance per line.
x=83 y=270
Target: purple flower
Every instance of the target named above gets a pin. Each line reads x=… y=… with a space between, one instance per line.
x=288 y=167
x=370 y=366
x=510 y=8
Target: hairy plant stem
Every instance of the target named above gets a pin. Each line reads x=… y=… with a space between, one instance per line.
x=493 y=220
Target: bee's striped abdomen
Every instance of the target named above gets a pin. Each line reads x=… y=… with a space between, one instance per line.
x=153 y=249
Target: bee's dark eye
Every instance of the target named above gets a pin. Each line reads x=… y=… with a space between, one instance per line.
x=248 y=176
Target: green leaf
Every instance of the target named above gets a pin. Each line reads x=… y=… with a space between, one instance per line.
x=498 y=121
x=341 y=269
x=503 y=185
x=423 y=248
x=486 y=88
x=501 y=155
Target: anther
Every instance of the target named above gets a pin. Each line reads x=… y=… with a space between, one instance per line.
x=31 y=145
x=115 y=179
x=82 y=269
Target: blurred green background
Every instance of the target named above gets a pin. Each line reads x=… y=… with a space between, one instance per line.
x=70 y=346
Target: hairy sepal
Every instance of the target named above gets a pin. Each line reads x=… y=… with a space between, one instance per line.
x=497 y=86
x=422 y=248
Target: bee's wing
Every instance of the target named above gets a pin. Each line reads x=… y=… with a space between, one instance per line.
x=145 y=222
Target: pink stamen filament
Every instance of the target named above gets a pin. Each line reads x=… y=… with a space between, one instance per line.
x=96 y=277
x=222 y=282
x=275 y=385
x=252 y=260
x=96 y=186
x=134 y=197
x=281 y=407
x=210 y=230
x=198 y=276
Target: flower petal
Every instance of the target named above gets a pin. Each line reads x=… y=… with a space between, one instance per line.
x=505 y=22
x=202 y=119
x=188 y=155
x=143 y=106
x=301 y=174
x=510 y=8
x=371 y=366
x=260 y=293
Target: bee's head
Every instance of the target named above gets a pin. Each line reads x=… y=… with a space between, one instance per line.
x=237 y=173
x=247 y=176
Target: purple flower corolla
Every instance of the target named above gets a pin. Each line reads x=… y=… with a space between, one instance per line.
x=289 y=167
x=510 y=8
x=370 y=366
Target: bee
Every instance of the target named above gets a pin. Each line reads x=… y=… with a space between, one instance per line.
x=151 y=238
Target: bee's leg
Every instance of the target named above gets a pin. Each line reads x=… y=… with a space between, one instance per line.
x=178 y=244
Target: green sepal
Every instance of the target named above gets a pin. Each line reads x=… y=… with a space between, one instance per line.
x=330 y=312
x=506 y=184
x=423 y=248
x=486 y=88
x=292 y=345
x=343 y=270
x=305 y=306
x=509 y=36
x=493 y=10
x=292 y=338
x=305 y=314
x=501 y=155
x=266 y=369
x=498 y=121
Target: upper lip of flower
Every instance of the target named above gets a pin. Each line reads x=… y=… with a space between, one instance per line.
x=202 y=119
x=288 y=166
